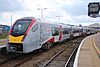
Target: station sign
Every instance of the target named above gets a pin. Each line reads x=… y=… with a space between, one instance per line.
x=93 y=9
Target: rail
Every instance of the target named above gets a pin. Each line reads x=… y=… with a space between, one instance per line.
x=67 y=63
x=54 y=56
x=57 y=54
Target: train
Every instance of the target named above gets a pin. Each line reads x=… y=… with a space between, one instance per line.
x=28 y=34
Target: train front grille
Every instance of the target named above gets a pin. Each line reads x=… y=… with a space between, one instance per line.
x=15 y=46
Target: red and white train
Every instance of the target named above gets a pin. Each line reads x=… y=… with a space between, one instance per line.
x=28 y=34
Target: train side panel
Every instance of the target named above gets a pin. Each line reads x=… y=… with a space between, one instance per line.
x=76 y=31
x=51 y=32
x=66 y=32
x=39 y=34
x=31 y=41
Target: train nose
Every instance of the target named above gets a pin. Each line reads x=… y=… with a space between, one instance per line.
x=13 y=47
x=14 y=39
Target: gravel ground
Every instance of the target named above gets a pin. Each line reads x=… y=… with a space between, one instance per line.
x=35 y=59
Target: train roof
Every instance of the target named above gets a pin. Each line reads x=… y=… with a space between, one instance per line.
x=62 y=24
x=30 y=18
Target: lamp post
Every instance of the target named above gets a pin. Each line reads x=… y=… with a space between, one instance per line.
x=11 y=19
x=59 y=17
x=42 y=12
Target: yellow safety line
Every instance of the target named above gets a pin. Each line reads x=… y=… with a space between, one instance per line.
x=95 y=46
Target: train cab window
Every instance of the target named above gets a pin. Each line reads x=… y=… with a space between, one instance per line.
x=55 y=31
x=35 y=28
x=20 y=27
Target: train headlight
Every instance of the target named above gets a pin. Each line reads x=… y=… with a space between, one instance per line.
x=12 y=48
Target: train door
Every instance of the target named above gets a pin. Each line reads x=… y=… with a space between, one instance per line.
x=55 y=33
x=35 y=35
x=41 y=37
x=68 y=33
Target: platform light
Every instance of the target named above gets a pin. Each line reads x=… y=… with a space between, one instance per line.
x=42 y=12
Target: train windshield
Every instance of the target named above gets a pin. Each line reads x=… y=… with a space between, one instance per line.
x=20 y=27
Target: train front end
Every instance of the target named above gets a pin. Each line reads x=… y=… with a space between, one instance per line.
x=17 y=35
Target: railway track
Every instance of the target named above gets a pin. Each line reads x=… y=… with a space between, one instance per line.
x=63 y=57
x=5 y=57
x=21 y=58
x=71 y=58
x=37 y=58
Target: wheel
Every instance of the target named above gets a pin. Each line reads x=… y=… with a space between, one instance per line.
x=46 y=46
x=71 y=37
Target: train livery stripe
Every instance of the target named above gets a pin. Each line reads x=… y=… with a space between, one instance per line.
x=51 y=40
x=10 y=29
x=60 y=34
x=32 y=22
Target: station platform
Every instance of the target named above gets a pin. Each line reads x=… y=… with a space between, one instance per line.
x=3 y=43
x=88 y=54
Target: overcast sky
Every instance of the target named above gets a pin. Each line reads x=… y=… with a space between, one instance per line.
x=71 y=11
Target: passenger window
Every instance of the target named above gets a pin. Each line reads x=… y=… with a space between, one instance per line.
x=35 y=28
x=81 y=30
x=76 y=31
x=65 y=31
x=55 y=31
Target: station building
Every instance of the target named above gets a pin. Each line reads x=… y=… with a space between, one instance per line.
x=96 y=26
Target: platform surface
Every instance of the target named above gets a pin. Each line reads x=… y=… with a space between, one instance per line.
x=3 y=43
x=88 y=52
x=97 y=43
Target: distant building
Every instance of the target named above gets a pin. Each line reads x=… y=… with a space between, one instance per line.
x=96 y=26
x=4 y=28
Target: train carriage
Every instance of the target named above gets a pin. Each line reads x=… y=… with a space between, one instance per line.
x=28 y=34
x=66 y=31
x=76 y=31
